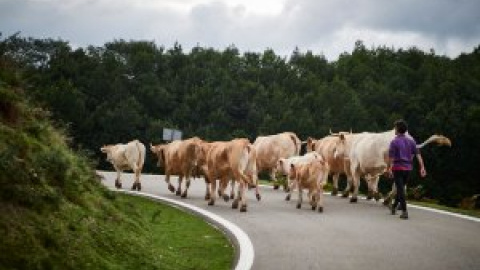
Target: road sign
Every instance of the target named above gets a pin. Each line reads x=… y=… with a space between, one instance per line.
x=171 y=134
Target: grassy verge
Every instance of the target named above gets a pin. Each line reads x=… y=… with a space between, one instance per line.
x=55 y=214
x=472 y=213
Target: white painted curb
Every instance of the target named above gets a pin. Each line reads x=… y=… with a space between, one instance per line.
x=245 y=252
x=438 y=211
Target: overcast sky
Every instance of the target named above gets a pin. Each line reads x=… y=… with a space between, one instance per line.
x=327 y=27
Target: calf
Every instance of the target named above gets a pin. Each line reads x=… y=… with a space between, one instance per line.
x=310 y=176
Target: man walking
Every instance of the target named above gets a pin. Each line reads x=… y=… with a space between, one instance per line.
x=401 y=152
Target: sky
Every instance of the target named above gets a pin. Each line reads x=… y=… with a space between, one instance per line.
x=325 y=27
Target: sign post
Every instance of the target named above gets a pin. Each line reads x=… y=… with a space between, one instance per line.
x=171 y=134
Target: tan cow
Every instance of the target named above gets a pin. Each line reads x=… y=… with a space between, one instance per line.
x=326 y=148
x=130 y=156
x=178 y=158
x=310 y=176
x=367 y=154
x=271 y=148
x=236 y=160
x=284 y=165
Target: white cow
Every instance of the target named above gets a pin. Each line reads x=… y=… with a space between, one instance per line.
x=271 y=148
x=367 y=154
x=130 y=156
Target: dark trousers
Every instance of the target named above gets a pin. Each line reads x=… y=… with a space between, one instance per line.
x=401 y=179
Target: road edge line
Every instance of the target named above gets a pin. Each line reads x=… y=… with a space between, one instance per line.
x=425 y=208
x=240 y=239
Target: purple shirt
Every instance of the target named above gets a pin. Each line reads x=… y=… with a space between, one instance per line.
x=401 y=151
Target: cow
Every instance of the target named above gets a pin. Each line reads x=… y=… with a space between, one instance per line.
x=311 y=176
x=367 y=154
x=179 y=158
x=130 y=156
x=271 y=148
x=284 y=164
x=233 y=159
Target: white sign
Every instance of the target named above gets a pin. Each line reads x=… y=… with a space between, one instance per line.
x=171 y=134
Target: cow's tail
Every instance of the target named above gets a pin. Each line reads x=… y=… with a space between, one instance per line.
x=297 y=143
x=438 y=139
x=141 y=154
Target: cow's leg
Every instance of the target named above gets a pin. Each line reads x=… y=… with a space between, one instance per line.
x=300 y=197
x=213 y=187
x=167 y=179
x=136 y=184
x=223 y=186
x=293 y=185
x=335 y=177
x=187 y=185
x=237 y=198
x=232 y=189
x=374 y=184
x=118 y=181
x=179 y=189
x=356 y=185
x=369 y=180
x=348 y=188
x=390 y=196
x=320 y=198
x=242 y=195
x=207 y=189
x=312 y=198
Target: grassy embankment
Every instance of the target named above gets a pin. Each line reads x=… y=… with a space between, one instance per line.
x=56 y=215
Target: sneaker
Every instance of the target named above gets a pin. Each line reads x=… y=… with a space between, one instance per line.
x=404 y=215
x=393 y=209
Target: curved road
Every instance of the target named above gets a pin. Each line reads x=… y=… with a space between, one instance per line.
x=346 y=236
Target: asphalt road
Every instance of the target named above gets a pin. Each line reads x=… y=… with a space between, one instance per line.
x=345 y=236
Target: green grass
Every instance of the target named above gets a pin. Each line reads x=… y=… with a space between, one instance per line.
x=473 y=213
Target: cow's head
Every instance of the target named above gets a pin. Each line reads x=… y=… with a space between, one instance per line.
x=107 y=149
x=279 y=167
x=339 y=149
x=159 y=152
x=292 y=173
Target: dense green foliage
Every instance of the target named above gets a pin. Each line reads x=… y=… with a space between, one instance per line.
x=55 y=213
x=133 y=89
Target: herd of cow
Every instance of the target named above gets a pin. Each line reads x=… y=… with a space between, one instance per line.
x=238 y=162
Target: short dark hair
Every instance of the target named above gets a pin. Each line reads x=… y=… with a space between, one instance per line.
x=401 y=126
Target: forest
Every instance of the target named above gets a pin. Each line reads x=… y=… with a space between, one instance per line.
x=133 y=89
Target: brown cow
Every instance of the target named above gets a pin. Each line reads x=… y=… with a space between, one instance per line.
x=274 y=147
x=130 y=156
x=234 y=159
x=178 y=158
x=310 y=176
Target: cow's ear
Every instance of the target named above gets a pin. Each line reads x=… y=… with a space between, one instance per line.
x=342 y=136
x=313 y=146
x=280 y=161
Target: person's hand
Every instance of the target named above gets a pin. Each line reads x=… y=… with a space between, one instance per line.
x=423 y=172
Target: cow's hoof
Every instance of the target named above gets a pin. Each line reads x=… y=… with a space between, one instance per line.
x=369 y=197
x=276 y=186
x=235 y=204
x=219 y=193
x=243 y=208
x=377 y=196
x=139 y=186
x=334 y=192
x=207 y=197
x=232 y=196
x=134 y=186
x=320 y=209
x=314 y=207
x=353 y=200
x=211 y=202
x=344 y=195
x=226 y=198
x=184 y=195
x=387 y=201
x=287 y=198
x=171 y=188
x=258 y=197
x=299 y=206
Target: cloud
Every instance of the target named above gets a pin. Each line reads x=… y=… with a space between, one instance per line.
x=323 y=26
